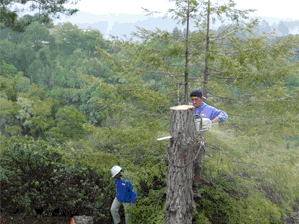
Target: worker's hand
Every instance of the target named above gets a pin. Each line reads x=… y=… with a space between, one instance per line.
x=215 y=120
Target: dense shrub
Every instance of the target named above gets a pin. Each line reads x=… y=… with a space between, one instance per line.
x=36 y=182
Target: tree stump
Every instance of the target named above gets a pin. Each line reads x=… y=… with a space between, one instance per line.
x=84 y=219
x=183 y=147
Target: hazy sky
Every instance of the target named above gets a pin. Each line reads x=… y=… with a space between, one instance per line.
x=287 y=9
x=272 y=11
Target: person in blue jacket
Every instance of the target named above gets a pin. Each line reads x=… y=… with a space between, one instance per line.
x=202 y=108
x=126 y=194
x=215 y=116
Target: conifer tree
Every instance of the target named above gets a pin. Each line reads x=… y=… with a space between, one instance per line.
x=241 y=76
x=46 y=9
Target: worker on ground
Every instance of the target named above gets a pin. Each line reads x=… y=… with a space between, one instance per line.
x=125 y=195
x=215 y=116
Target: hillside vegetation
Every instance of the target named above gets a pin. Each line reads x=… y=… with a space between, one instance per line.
x=73 y=108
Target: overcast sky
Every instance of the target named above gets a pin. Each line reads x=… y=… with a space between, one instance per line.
x=287 y=9
x=130 y=11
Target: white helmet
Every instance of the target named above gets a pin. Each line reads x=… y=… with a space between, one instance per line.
x=115 y=170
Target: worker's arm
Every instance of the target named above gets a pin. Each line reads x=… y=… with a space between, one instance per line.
x=218 y=116
x=134 y=193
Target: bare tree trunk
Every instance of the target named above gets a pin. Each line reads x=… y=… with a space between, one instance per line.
x=205 y=82
x=51 y=81
x=186 y=64
x=180 y=206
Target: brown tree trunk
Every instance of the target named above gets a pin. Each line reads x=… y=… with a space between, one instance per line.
x=180 y=206
x=205 y=81
x=187 y=60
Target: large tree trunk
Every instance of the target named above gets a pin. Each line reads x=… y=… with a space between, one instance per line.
x=180 y=206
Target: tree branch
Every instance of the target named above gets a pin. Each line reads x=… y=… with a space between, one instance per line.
x=219 y=38
x=164 y=73
x=283 y=99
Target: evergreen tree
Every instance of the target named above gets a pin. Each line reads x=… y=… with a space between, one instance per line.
x=46 y=9
x=235 y=78
x=242 y=75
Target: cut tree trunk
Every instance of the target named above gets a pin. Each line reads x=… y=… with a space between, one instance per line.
x=180 y=205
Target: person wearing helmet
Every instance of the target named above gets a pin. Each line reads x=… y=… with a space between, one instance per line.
x=215 y=116
x=126 y=194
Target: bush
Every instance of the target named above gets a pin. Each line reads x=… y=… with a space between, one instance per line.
x=35 y=182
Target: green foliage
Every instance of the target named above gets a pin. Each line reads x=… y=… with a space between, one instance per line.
x=9 y=86
x=292 y=83
x=20 y=54
x=13 y=130
x=245 y=151
x=3 y=95
x=42 y=70
x=69 y=124
x=103 y=103
x=91 y=67
x=26 y=111
x=7 y=115
x=9 y=19
x=82 y=100
x=33 y=116
x=71 y=62
x=35 y=92
x=23 y=85
x=250 y=65
x=7 y=70
x=68 y=38
x=94 y=38
x=37 y=168
x=37 y=32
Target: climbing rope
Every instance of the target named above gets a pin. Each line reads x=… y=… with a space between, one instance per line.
x=202 y=143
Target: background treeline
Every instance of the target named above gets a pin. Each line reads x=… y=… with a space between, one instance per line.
x=68 y=115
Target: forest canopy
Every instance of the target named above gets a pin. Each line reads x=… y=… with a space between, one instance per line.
x=106 y=102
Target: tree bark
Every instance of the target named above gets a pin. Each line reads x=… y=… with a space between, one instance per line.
x=183 y=147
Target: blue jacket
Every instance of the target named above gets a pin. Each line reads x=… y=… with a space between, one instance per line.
x=210 y=112
x=125 y=191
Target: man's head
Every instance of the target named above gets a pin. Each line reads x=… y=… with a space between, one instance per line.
x=197 y=101
x=196 y=97
x=118 y=176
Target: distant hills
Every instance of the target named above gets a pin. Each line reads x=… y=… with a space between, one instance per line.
x=119 y=24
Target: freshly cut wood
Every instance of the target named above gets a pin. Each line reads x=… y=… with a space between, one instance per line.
x=182 y=107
